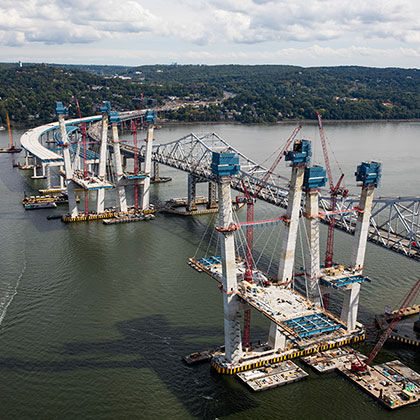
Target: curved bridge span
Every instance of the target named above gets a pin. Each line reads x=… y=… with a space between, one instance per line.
x=394 y=223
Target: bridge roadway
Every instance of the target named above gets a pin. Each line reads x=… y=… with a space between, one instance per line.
x=395 y=222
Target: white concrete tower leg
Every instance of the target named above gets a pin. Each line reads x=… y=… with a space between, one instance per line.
x=312 y=252
x=48 y=177
x=232 y=322
x=100 y=197
x=362 y=228
x=68 y=170
x=61 y=179
x=351 y=295
x=121 y=197
x=276 y=339
x=145 y=198
x=288 y=245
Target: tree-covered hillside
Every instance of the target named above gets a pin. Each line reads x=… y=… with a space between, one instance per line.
x=265 y=93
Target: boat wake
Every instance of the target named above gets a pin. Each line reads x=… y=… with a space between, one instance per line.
x=11 y=292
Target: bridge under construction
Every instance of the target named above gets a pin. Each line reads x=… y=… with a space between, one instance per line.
x=89 y=158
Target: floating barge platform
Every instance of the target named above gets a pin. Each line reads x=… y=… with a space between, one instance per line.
x=202 y=356
x=107 y=214
x=179 y=206
x=392 y=384
x=405 y=332
x=329 y=360
x=128 y=219
x=272 y=376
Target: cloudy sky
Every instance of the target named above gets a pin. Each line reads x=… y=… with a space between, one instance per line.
x=378 y=33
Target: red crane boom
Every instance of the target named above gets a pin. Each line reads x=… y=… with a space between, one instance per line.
x=361 y=367
x=335 y=190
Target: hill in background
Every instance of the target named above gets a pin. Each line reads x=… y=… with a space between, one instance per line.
x=250 y=94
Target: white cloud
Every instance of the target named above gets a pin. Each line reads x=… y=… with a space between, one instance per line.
x=237 y=28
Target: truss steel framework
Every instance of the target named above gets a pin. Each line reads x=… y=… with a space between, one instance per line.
x=394 y=224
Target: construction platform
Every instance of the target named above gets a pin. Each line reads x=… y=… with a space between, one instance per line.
x=329 y=360
x=202 y=356
x=107 y=214
x=340 y=276
x=405 y=331
x=272 y=376
x=307 y=327
x=90 y=182
x=179 y=206
x=392 y=384
x=130 y=218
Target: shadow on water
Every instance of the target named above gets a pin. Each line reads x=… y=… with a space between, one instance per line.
x=156 y=345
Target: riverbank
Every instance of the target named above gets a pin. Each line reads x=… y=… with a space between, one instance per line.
x=168 y=123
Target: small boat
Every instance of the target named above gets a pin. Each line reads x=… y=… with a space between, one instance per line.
x=37 y=206
x=54 y=216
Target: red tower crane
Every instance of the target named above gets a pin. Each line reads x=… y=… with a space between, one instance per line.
x=249 y=199
x=84 y=143
x=335 y=190
x=361 y=367
x=136 y=162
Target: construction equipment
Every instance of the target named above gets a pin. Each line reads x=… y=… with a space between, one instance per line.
x=249 y=198
x=335 y=191
x=359 y=367
x=12 y=148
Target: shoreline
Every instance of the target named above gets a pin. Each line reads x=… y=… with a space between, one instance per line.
x=174 y=123
x=325 y=122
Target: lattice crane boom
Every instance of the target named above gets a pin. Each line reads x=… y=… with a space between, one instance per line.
x=361 y=367
x=335 y=190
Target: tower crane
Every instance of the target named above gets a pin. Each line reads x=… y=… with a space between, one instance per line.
x=335 y=191
x=359 y=367
x=136 y=162
x=249 y=198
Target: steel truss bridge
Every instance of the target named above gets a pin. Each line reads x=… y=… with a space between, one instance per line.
x=394 y=222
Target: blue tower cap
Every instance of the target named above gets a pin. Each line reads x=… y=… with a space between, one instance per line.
x=225 y=164
x=315 y=177
x=60 y=109
x=369 y=173
x=106 y=107
x=301 y=153
x=150 y=116
x=114 y=117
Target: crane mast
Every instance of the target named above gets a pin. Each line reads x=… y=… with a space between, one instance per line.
x=335 y=190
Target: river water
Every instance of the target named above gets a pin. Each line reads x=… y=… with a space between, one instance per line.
x=94 y=319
